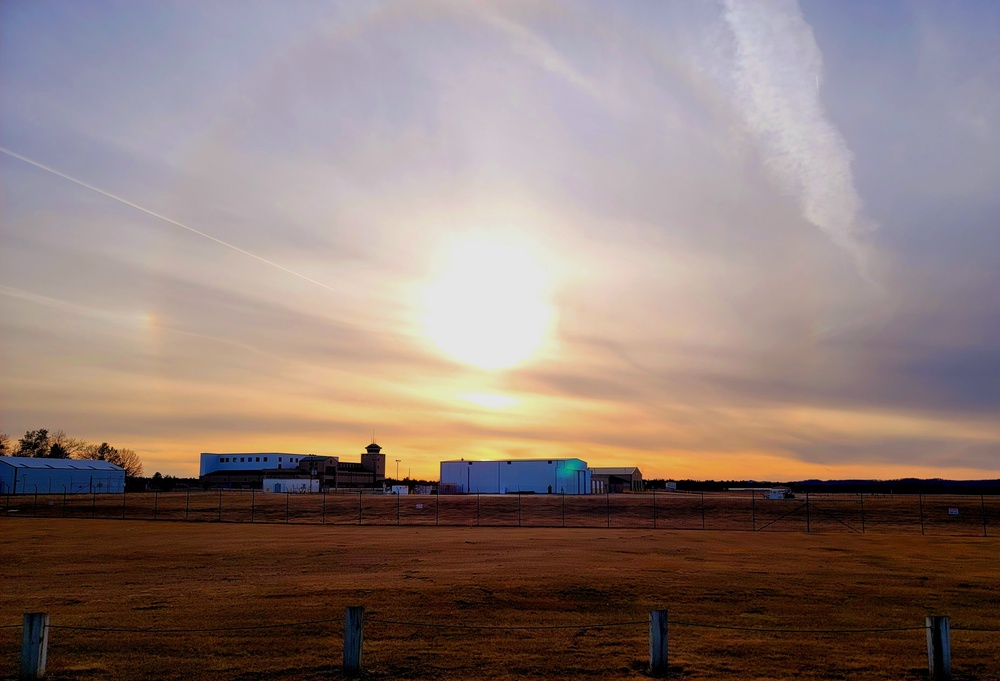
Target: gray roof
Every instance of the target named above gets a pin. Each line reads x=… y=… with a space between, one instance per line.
x=59 y=464
x=622 y=470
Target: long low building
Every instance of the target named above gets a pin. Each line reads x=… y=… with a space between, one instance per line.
x=28 y=475
x=512 y=476
x=250 y=469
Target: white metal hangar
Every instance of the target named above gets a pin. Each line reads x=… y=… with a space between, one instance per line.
x=540 y=476
x=29 y=475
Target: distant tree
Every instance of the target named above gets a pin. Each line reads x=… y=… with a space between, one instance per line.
x=35 y=443
x=126 y=458
x=71 y=445
x=4 y=444
x=57 y=451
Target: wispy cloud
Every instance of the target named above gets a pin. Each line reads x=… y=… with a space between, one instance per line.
x=778 y=71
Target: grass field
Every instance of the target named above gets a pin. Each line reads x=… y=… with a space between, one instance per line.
x=203 y=575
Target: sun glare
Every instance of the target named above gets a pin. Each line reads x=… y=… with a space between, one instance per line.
x=490 y=400
x=488 y=306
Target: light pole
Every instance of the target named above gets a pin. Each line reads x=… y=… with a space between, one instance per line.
x=397 y=469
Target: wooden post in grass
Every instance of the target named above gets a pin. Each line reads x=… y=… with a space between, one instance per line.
x=703 y=510
x=920 y=498
x=753 y=510
x=156 y=501
x=253 y=503
x=862 y=512
x=658 y=643
x=287 y=494
x=220 y=503
x=354 y=634
x=939 y=647
x=982 y=502
x=187 y=504
x=34 y=645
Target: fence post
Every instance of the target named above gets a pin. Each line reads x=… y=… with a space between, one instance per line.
x=982 y=501
x=360 y=516
x=862 y=512
x=397 y=509
x=187 y=504
x=477 y=508
x=93 y=506
x=703 y=510
x=64 y=502
x=324 y=505
x=519 y=508
x=658 y=643
x=920 y=498
x=437 y=506
x=220 y=504
x=34 y=504
x=564 y=508
x=654 y=509
x=753 y=510
x=354 y=634
x=253 y=503
x=607 y=495
x=939 y=647
x=808 y=524
x=34 y=645
x=287 y=495
x=156 y=498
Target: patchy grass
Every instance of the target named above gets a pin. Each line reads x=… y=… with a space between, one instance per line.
x=204 y=575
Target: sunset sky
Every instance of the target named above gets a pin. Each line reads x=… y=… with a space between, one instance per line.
x=711 y=239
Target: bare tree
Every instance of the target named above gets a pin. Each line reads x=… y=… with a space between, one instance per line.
x=5 y=444
x=71 y=445
x=129 y=460
x=126 y=458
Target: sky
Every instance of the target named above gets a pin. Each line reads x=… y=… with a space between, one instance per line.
x=724 y=240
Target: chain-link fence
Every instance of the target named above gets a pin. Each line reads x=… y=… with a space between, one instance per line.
x=913 y=514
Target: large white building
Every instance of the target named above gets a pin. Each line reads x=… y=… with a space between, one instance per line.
x=28 y=475
x=541 y=476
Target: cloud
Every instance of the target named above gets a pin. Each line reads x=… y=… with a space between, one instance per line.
x=778 y=71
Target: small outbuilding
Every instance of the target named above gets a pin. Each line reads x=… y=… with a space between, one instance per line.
x=623 y=479
x=29 y=475
x=513 y=476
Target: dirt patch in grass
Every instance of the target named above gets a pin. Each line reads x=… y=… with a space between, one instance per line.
x=147 y=575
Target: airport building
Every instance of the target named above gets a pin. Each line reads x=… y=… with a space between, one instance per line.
x=622 y=479
x=538 y=476
x=250 y=469
x=29 y=475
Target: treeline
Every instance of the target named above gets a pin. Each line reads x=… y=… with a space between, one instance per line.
x=901 y=486
x=40 y=444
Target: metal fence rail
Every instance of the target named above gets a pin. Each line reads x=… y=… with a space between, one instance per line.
x=955 y=515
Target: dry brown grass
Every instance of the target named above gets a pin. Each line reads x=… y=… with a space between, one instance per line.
x=162 y=575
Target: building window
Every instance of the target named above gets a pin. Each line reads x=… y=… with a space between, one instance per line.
x=265 y=459
x=258 y=458
x=279 y=458
x=241 y=460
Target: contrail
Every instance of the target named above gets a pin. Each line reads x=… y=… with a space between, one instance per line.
x=136 y=206
x=778 y=66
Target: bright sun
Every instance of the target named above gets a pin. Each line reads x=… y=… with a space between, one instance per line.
x=488 y=305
